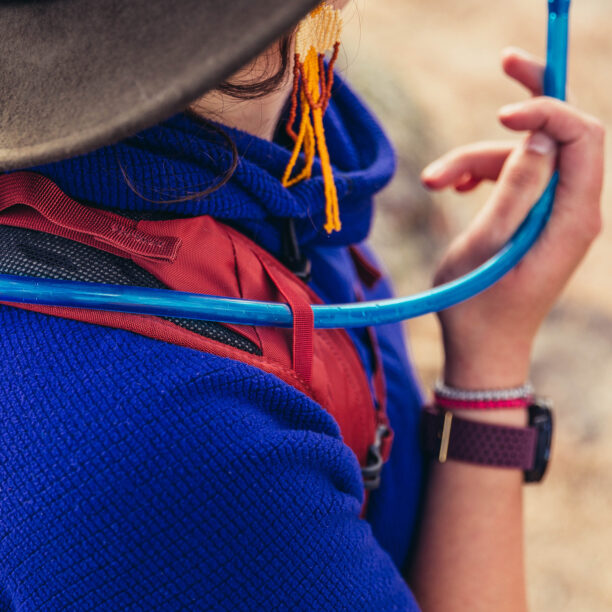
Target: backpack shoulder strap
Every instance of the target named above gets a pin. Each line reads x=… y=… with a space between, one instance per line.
x=202 y=255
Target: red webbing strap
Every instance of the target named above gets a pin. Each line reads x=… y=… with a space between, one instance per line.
x=54 y=212
x=368 y=273
x=303 y=324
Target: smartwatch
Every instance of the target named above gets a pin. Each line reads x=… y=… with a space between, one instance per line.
x=446 y=436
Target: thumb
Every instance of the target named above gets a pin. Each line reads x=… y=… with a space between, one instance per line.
x=522 y=181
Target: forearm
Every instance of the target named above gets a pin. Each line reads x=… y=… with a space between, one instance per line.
x=469 y=556
x=470 y=551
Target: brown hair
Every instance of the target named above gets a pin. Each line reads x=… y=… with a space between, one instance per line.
x=252 y=91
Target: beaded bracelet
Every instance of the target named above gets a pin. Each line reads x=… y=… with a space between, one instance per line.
x=451 y=398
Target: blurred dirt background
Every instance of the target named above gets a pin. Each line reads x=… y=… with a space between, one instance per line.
x=430 y=69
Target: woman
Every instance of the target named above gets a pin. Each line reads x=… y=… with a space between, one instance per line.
x=139 y=474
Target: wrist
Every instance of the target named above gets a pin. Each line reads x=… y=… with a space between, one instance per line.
x=498 y=367
x=485 y=357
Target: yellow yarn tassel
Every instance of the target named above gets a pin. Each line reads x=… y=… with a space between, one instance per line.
x=317 y=34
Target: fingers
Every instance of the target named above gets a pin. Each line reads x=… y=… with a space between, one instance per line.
x=580 y=135
x=465 y=167
x=561 y=121
x=524 y=177
x=575 y=130
x=524 y=68
x=525 y=174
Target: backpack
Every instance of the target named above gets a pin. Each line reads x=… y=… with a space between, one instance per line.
x=45 y=233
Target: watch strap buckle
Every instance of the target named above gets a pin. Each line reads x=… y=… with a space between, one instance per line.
x=445 y=437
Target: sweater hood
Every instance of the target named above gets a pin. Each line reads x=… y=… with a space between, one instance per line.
x=184 y=156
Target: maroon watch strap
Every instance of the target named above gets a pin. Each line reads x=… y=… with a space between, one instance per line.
x=447 y=436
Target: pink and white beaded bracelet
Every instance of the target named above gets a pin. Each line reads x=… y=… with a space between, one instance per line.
x=451 y=398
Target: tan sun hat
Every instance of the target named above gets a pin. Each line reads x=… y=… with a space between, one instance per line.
x=78 y=74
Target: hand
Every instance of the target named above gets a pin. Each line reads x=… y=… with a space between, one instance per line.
x=488 y=339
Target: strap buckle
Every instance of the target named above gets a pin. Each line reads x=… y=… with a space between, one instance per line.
x=375 y=462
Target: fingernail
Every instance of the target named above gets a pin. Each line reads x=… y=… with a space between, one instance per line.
x=540 y=143
x=433 y=170
x=510 y=109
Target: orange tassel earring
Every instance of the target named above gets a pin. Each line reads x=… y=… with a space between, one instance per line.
x=317 y=34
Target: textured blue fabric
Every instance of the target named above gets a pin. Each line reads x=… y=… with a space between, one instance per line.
x=137 y=475
x=180 y=157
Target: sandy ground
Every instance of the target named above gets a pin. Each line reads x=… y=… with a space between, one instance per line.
x=431 y=70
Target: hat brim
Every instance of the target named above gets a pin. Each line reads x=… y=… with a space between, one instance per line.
x=80 y=74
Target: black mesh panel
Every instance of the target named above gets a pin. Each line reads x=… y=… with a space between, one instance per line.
x=26 y=252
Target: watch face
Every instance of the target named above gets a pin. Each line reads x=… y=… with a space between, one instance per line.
x=540 y=418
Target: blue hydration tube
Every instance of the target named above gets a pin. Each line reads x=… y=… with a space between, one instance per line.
x=165 y=302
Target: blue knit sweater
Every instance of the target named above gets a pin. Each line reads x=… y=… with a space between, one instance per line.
x=137 y=475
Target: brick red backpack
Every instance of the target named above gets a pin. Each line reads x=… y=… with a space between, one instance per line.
x=198 y=255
